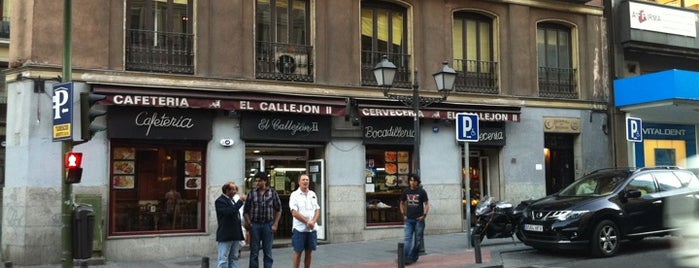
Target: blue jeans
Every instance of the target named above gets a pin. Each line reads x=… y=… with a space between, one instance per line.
x=261 y=232
x=414 y=230
x=228 y=254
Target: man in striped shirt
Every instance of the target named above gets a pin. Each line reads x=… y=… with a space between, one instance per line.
x=262 y=211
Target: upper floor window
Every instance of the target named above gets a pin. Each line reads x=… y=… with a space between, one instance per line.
x=5 y=22
x=159 y=36
x=384 y=32
x=556 y=70
x=473 y=53
x=283 y=50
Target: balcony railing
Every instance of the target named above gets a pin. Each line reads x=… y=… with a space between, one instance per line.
x=402 y=61
x=476 y=76
x=557 y=83
x=5 y=27
x=286 y=62
x=162 y=52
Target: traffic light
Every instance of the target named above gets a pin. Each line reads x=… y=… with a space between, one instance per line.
x=89 y=111
x=72 y=163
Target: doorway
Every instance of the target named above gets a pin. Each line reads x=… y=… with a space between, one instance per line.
x=284 y=165
x=559 y=159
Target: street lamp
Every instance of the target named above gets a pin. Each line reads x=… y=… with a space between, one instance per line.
x=385 y=71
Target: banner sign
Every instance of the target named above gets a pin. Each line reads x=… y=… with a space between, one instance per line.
x=284 y=127
x=450 y=115
x=159 y=124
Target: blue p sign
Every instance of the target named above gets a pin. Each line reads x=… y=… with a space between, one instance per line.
x=466 y=127
x=634 y=129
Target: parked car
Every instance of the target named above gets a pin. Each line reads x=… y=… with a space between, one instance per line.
x=605 y=207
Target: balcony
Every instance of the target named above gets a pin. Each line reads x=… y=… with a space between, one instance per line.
x=285 y=62
x=474 y=76
x=557 y=83
x=5 y=27
x=160 y=52
x=402 y=61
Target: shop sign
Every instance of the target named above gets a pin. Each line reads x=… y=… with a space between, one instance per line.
x=562 y=124
x=668 y=131
x=164 y=123
x=450 y=115
x=491 y=136
x=284 y=127
x=225 y=104
x=382 y=131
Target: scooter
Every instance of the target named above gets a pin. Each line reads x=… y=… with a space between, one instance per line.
x=497 y=219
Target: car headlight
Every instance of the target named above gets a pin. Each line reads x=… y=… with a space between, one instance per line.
x=563 y=215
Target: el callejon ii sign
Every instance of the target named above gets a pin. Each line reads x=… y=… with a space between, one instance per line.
x=283 y=126
x=151 y=123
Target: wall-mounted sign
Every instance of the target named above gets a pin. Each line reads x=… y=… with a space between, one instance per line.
x=436 y=114
x=491 y=136
x=378 y=130
x=662 y=19
x=285 y=127
x=562 y=124
x=164 y=123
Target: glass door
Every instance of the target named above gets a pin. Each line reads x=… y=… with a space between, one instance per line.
x=316 y=172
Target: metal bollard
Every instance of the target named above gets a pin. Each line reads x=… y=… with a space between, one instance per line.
x=477 y=247
x=401 y=255
x=204 y=262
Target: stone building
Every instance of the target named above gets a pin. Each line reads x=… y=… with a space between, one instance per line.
x=200 y=92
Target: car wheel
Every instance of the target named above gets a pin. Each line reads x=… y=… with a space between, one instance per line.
x=519 y=235
x=605 y=239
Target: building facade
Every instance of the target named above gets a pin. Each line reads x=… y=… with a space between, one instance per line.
x=656 y=49
x=200 y=92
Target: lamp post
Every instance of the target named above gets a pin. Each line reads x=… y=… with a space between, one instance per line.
x=385 y=71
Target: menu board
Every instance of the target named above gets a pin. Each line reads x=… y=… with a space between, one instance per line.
x=123 y=168
x=192 y=170
x=397 y=168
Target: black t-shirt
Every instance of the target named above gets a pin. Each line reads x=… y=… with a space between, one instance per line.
x=415 y=205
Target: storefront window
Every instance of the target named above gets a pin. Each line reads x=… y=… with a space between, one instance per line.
x=386 y=176
x=157 y=188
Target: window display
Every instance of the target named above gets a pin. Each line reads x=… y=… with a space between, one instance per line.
x=156 y=188
x=386 y=175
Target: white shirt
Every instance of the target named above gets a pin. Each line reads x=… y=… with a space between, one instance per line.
x=306 y=204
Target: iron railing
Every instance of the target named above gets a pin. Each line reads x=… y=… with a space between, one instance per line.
x=557 y=83
x=402 y=61
x=5 y=27
x=162 y=52
x=286 y=62
x=476 y=76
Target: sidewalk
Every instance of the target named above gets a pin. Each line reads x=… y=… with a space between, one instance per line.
x=446 y=250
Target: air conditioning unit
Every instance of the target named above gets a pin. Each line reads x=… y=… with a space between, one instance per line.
x=291 y=63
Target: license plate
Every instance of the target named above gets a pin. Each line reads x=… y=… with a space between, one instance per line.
x=533 y=227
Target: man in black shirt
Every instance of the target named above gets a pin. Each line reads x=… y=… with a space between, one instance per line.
x=414 y=205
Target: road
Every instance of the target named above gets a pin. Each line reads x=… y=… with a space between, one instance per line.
x=647 y=253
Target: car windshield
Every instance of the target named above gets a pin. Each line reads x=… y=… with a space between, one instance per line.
x=595 y=184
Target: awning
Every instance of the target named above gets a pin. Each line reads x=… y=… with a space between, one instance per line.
x=670 y=96
x=444 y=110
x=231 y=101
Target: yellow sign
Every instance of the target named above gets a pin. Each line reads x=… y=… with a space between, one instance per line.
x=61 y=131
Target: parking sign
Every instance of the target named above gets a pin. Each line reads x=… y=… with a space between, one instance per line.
x=634 y=129
x=467 y=127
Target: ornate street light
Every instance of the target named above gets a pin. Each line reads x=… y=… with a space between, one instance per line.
x=385 y=71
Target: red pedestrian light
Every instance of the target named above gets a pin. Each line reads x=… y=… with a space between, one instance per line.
x=73 y=160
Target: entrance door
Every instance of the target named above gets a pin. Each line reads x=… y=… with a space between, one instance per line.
x=316 y=172
x=559 y=159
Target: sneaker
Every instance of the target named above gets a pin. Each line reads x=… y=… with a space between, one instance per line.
x=382 y=205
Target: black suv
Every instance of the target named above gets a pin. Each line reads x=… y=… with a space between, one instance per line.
x=601 y=209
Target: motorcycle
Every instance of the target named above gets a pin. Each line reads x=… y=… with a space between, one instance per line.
x=497 y=219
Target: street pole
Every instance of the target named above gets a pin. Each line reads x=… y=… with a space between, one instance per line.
x=66 y=188
x=416 y=126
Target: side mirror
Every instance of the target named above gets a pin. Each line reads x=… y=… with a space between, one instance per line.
x=633 y=193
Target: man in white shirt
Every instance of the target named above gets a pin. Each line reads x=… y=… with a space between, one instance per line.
x=305 y=210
